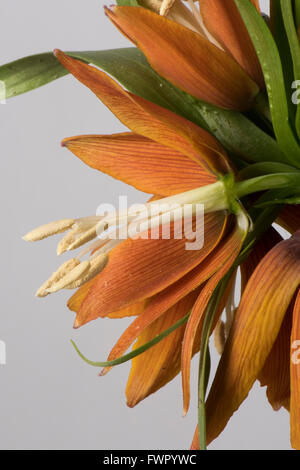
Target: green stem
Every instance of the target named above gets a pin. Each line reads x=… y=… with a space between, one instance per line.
x=135 y=352
x=263 y=183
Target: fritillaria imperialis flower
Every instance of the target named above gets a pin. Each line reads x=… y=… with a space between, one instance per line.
x=204 y=52
x=157 y=280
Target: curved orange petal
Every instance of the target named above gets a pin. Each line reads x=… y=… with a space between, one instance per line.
x=138 y=269
x=170 y=296
x=275 y=373
x=75 y=302
x=159 y=365
x=163 y=301
x=186 y=59
x=254 y=331
x=141 y=162
x=148 y=119
x=196 y=318
x=289 y=218
x=224 y=22
x=295 y=377
x=268 y=240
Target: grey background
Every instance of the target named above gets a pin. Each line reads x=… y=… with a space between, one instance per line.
x=49 y=398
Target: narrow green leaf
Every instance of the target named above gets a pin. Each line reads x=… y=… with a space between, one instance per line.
x=135 y=352
x=289 y=22
x=264 y=168
x=239 y=135
x=130 y=3
x=280 y=37
x=272 y=68
x=297 y=13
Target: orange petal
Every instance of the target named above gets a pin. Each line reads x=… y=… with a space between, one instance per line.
x=141 y=162
x=289 y=218
x=186 y=59
x=170 y=296
x=76 y=300
x=196 y=319
x=268 y=240
x=159 y=365
x=138 y=269
x=148 y=119
x=254 y=331
x=163 y=301
x=256 y=4
x=224 y=22
x=275 y=373
x=295 y=377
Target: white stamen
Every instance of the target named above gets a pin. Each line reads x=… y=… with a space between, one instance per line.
x=52 y=228
x=71 y=276
x=166 y=6
x=96 y=266
x=56 y=276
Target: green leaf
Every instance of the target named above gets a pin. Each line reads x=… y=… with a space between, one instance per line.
x=272 y=68
x=289 y=22
x=263 y=168
x=130 y=3
x=129 y=66
x=29 y=73
x=280 y=37
x=135 y=352
x=297 y=13
x=239 y=135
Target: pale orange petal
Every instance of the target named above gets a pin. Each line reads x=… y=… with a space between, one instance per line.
x=224 y=22
x=141 y=162
x=186 y=59
x=295 y=377
x=254 y=331
x=148 y=119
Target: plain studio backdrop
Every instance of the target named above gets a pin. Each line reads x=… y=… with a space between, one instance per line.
x=50 y=398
